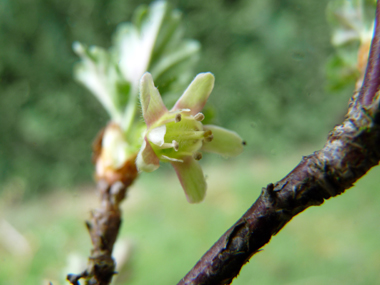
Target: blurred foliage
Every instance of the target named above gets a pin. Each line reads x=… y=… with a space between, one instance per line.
x=352 y=29
x=268 y=58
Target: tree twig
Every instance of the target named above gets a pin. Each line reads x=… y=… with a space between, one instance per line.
x=105 y=223
x=352 y=148
x=371 y=81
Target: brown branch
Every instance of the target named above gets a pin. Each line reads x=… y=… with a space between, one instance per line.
x=372 y=75
x=105 y=222
x=352 y=148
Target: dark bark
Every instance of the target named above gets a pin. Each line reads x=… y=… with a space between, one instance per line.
x=352 y=148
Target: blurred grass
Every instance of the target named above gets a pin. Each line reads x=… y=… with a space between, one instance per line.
x=337 y=243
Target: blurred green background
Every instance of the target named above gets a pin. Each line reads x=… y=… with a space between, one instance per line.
x=269 y=59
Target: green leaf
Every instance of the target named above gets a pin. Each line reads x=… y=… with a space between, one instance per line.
x=350 y=20
x=341 y=72
x=99 y=74
x=153 y=42
x=352 y=27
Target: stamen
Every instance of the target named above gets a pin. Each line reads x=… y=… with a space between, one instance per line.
x=166 y=145
x=184 y=110
x=175 y=145
x=177 y=118
x=199 y=117
x=197 y=156
x=192 y=135
x=209 y=138
x=179 y=111
x=207 y=133
x=171 y=158
x=168 y=121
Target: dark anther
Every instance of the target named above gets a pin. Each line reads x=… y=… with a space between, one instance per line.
x=244 y=143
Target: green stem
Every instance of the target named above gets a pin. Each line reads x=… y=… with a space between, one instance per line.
x=130 y=110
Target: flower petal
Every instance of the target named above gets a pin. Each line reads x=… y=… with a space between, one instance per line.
x=115 y=150
x=147 y=160
x=225 y=142
x=157 y=135
x=152 y=105
x=191 y=176
x=196 y=95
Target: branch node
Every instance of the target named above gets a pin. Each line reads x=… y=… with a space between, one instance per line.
x=269 y=195
x=88 y=226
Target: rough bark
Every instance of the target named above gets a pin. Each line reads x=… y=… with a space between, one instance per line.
x=104 y=225
x=352 y=148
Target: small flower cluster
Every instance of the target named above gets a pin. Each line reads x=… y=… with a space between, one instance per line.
x=177 y=136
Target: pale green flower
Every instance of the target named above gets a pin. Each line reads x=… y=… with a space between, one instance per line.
x=177 y=136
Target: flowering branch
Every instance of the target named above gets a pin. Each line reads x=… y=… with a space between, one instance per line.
x=352 y=148
x=152 y=43
x=105 y=222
